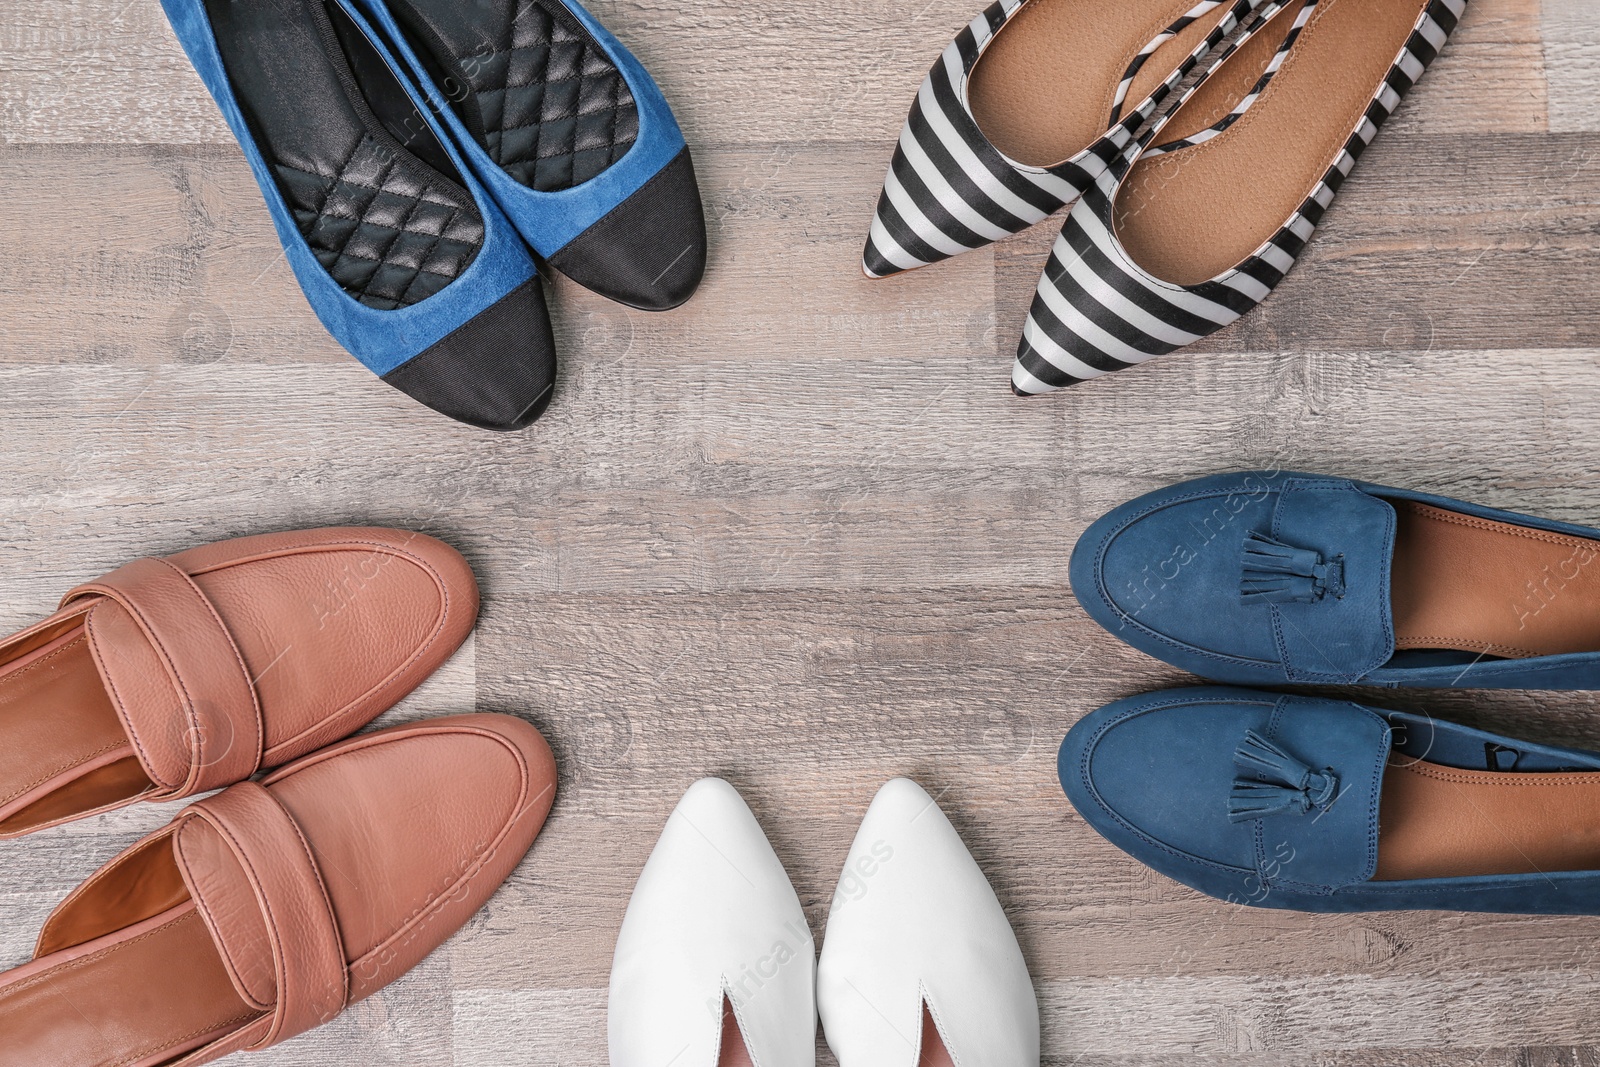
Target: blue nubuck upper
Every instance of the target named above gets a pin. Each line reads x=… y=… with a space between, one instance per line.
x=569 y=133
x=1285 y=801
x=1268 y=577
x=401 y=251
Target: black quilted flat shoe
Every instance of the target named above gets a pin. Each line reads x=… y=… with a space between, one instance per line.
x=568 y=132
x=402 y=252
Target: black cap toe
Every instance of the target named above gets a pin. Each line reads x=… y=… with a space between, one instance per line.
x=649 y=252
x=496 y=372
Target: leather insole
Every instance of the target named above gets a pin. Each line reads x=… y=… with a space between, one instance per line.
x=530 y=83
x=1193 y=214
x=1476 y=585
x=734 y=1053
x=1216 y=97
x=63 y=750
x=934 y=1053
x=138 y=997
x=372 y=190
x=1045 y=87
x=1441 y=822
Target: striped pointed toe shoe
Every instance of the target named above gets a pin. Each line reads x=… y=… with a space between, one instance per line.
x=1164 y=249
x=1025 y=108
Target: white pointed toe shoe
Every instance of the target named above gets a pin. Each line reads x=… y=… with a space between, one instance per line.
x=715 y=964
x=920 y=967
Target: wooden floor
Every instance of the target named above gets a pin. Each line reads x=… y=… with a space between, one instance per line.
x=799 y=533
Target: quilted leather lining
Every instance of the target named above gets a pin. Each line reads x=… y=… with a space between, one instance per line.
x=555 y=110
x=390 y=234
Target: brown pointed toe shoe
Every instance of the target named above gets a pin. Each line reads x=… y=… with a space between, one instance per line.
x=266 y=910
x=172 y=677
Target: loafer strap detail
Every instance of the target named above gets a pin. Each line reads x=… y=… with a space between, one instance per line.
x=1331 y=545
x=261 y=893
x=219 y=714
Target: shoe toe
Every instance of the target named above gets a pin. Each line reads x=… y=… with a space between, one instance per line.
x=875 y=257
x=649 y=252
x=914 y=922
x=1033 y=375
x=334 y=625
x=496 y=372
x=713 y=918
x=415 y=828
x=921 y=219
x=716 y=869
x=1164 y=574
x=893 y=246
x=1056 y=350
x=1153 y=773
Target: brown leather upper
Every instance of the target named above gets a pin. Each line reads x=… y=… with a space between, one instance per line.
x=263 y=911
x=251 y=873
x=181 y=629
x=171 y=677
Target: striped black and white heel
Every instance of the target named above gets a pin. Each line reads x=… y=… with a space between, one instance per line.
x=1019 y=117
x=1186 y=231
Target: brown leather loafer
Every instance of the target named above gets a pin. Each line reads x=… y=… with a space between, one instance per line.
x=265 y=910
x=172 y=677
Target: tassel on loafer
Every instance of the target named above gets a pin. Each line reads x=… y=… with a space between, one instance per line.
x=400 y=250
x=1273 y=577
x=1197 y=223
x=1025 y=108
x=569 y=132
x=1322 y=805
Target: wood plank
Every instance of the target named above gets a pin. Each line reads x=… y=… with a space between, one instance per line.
x=1245 y=1020
x=808 y=703
x=88 y=71
x=785 y=77
x=1571 y=35
x=167 y=256
x=85 y=71
x=1490 y=79
x=702 y=477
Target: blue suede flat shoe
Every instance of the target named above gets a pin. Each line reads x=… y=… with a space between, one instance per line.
x=1268 y=577
x=402 y=253
x=570 y=134
x=1323 y=805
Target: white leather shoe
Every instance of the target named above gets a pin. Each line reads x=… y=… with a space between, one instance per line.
x=715 y=964
x=919 y=964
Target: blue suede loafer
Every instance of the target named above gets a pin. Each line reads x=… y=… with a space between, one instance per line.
x=402 y=253
x=1268 y=577
x=1323 y=805
x=570 y=134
